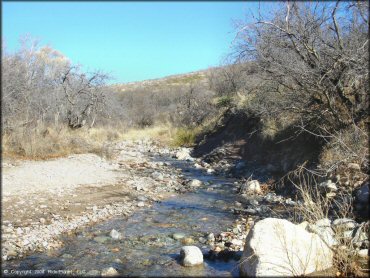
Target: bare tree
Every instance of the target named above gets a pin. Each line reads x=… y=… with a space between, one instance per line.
x=314 y=59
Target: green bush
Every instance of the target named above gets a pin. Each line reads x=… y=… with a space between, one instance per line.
x=185 y=137
x=224 y=101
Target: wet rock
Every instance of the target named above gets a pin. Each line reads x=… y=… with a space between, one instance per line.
x=178 y=236
x=211 y=237
x=67 y=256
x=277 y=247
x=184 y=154
x=101 y=239
x=187 y=240
x=202 y=240
x=191 y=255
x=195 y=183
x=251 y=187
x=210 y=171
x=238 y=204
x=115 y=235
x=110 y=271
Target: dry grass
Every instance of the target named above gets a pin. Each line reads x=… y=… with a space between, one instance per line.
x=316 y=205
x=163 y=134
x=50 y=142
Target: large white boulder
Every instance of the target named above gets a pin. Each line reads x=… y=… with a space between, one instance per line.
x=277 y=247
x=252 y=187
x=191 y=255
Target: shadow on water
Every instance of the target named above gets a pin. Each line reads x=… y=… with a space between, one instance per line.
x=148 y=247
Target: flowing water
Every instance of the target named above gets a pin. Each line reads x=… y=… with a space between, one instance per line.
x=148 y=247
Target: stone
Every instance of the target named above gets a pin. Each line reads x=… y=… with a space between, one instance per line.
x=211 y=237
x=354 y=166
x=325 y=222
x=210 y=171
x=184 y=154
x=363 y=253
x=326 y=233
x=195 y=183
x=344 y=224
x=178 y=236
x=252 y=187
x=191 y=255
x=237 y=242
x=157 y=175
x=101 y=239
x=110 y=271
x=187 y=240
x=67 y=256
x=290 y=202
x=202 y=240
x=141 y=204
x=277 y=247
x=115 y=235
x=328 y=186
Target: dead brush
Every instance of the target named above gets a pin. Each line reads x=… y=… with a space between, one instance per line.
x=314 y=204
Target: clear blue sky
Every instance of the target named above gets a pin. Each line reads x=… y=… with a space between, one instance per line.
x=133 y=40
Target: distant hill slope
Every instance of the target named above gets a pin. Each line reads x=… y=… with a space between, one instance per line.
x=198 y=77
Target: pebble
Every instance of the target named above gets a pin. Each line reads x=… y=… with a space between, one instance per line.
x=187 y=240
x=178 y=236
x=364 y=253
x=141 y=204
x=110 y=271
x=115 y=235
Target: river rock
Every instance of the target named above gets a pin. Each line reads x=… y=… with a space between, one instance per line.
x=252 y=186
x=211 y=237
x=328 y=186
x=178 y=236
x=157 y=175
x=115 y=235
x=191 y=255
x=195 y=183
x=277 y=247
x=101 y=239
x=210 y=171
x=184 y=154
x=110 y=271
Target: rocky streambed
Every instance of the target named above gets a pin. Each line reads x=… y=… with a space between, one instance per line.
x=165 y=200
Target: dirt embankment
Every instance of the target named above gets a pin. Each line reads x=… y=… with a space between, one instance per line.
x=237 y=136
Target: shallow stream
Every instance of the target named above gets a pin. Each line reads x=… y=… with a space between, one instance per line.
x=148 y=247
